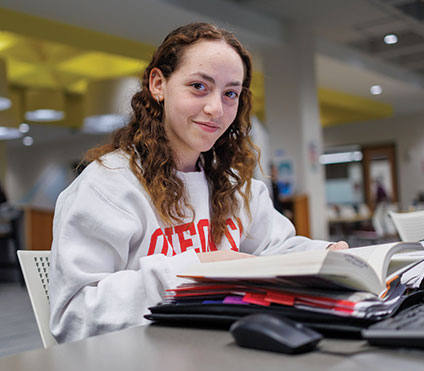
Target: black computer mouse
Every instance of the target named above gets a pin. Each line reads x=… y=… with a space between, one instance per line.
x=274 y=333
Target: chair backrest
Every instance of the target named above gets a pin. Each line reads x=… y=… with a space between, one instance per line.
x=381 y=221
x=35 y=268
x=410 y=226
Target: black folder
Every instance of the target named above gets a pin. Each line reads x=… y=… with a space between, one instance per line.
x=199 y=314
x=223 y=315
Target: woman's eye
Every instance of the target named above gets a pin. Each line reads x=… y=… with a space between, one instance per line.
x=231 y=94
x=199 y=86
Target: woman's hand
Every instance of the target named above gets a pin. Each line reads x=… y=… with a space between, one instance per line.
x=215 y=256
x=341 y=245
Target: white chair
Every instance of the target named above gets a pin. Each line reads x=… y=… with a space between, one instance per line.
x=364 y=211
x=410 y=226
x=35 y=269
x=347 y=212
x=381 y=222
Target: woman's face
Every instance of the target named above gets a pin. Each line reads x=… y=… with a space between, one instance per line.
x=201 y=99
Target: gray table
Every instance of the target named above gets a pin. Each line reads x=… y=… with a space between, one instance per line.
x=169 y=348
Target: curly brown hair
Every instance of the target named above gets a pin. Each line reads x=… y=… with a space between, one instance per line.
x=228 y=165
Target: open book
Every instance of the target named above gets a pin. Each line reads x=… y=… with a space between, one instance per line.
x=369 y=269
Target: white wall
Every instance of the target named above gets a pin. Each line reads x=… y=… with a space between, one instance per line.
x=407 y=132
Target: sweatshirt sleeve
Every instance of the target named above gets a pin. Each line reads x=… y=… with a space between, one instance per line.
x=92 y=288
x=270 y=232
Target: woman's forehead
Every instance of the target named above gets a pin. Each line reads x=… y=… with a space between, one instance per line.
x=213 y=54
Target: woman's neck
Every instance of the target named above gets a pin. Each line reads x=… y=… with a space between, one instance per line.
x=188 y=168
x=187 y=163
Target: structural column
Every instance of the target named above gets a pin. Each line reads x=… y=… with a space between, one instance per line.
x=292 y=116
x=2 y=163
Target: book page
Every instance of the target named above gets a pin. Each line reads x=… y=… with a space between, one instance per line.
x=308 y=262
x=379 y=256
x=346 y=270
x=352 y=271
x=401 y=260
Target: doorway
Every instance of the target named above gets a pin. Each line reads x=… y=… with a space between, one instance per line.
x=380 y=174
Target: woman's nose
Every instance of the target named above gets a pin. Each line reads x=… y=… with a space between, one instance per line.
x=213 y=106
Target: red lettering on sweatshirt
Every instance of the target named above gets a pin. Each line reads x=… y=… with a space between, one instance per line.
x=185 y=242
x=204 y=223
x=240 y=225
x=185 y=234
x=201 y=225
x=154 y=239
x=230 y=238
x=211 y=246
x=168 y=233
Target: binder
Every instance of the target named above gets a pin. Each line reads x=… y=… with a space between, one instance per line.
x=218 y=315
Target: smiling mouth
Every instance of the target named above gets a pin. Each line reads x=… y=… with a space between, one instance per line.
x=207 y=126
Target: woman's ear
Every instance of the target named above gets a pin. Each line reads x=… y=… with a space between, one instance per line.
x=157 y=84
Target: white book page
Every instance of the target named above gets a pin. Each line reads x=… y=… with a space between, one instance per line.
x=296 y=264
x=353 y=271
x=379 y=256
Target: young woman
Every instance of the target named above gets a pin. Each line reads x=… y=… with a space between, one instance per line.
x=173 y=188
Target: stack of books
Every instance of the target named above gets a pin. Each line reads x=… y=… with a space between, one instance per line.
x=331 y=289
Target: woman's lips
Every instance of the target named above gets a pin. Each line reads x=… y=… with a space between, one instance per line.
x=209 y=127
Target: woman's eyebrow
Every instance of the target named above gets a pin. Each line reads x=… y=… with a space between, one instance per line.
x=212 y=80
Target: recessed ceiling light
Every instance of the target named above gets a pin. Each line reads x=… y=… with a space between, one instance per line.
x=107 y=106
x=28 y=141
x=44 y=105
x=5 y=103
x=391 y=38
x=44 y=115
x=376 y=90
x=9 y=133
x=24 y=128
